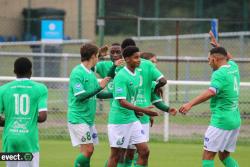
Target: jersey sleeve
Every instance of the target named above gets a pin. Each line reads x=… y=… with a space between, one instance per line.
x=232 y=63
x=155 y=72
x=77 y=84
x=216 y=82
x=120 y=91
x=42 y=104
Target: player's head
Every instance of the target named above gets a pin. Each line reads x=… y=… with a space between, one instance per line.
x=23 y=67
x=217 y=57
x=127 y=42
x=115 y=52
x=89 y=52
x=149 y=56
x=131 y=55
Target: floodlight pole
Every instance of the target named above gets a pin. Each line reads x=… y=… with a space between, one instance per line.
x=101 y=21
x=79 y=19
x=177 y=57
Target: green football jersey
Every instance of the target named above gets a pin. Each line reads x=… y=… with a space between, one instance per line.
x=102 y=68
x=126 y=86
x=148 y=73
x=225 y=104
x=82 y=111
x=20 y=102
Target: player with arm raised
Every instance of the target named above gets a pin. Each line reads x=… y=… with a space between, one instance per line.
x=83 y=90
x=223 y=130
x=23 y=103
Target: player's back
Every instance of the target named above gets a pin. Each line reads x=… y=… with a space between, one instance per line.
x=21 y=100
x=225 y=105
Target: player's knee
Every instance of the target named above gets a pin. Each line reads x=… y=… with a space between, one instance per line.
x=89 y=151
x=223 y=155
x=144 y=153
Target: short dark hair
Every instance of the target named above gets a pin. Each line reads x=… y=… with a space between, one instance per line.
x=147 y=55
x=87 y=50
x=218 y=50
x=22 y=66
x=127 y=42
x=129 y=51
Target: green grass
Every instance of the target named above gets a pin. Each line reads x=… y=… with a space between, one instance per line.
x=61 y=153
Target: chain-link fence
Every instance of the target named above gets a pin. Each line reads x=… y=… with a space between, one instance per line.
x=189 y=127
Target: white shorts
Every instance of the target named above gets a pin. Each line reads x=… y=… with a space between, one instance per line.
x=123 y=135
x=145 y=128
x=33 y=163
x=82 y=134
x=216 y=139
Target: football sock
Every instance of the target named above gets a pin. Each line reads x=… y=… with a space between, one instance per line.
x=207 y=163
x=82 y=161
x=128 y=162
x=230 y=162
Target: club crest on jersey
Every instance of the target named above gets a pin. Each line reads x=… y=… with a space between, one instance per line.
x=94 y=135
x=78 y=86
x=131 y=83
x=119 y=90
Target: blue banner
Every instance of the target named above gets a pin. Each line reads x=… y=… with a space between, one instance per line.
x=52 y=30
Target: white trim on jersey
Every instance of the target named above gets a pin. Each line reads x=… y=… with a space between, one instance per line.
x=213 y=89
x=155 y=101
x=159 y=78
x=87 y=70
x=79 y=92
x=43 y=109
x=130 y=72
x=120 y=98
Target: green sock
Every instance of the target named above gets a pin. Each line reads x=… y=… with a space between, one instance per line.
x=230 y=162
x=207 y=163
x=128 y=162
x=106 y=163
x=135 y=158
x=82 y=161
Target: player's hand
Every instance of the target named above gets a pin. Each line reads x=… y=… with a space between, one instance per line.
x=185 y=108
x=151 y=121
x=172 y=111
x=213 y=40
x=150 y=112
x=104 y=82
x=120 y=62
x=103 y=51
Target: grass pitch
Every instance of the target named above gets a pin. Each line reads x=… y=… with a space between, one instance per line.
x=60 y=153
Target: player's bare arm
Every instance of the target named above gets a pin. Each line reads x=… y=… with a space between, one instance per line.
x=124 y=103
x=42 y=116
x=197 y=100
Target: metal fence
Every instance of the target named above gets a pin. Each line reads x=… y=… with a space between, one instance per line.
x=185 y=128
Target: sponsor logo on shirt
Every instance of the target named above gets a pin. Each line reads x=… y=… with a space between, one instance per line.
x=142 y=132
x=119 y=90
x=206 y=139
x=78 y=86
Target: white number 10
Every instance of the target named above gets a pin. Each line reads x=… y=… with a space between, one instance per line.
x=19 y=104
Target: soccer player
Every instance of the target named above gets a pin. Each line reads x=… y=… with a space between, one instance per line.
x=83 y=90
x=148 y=73
x=23 y=103
x=222 y=133
x=103 y=68
x=124 y=127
